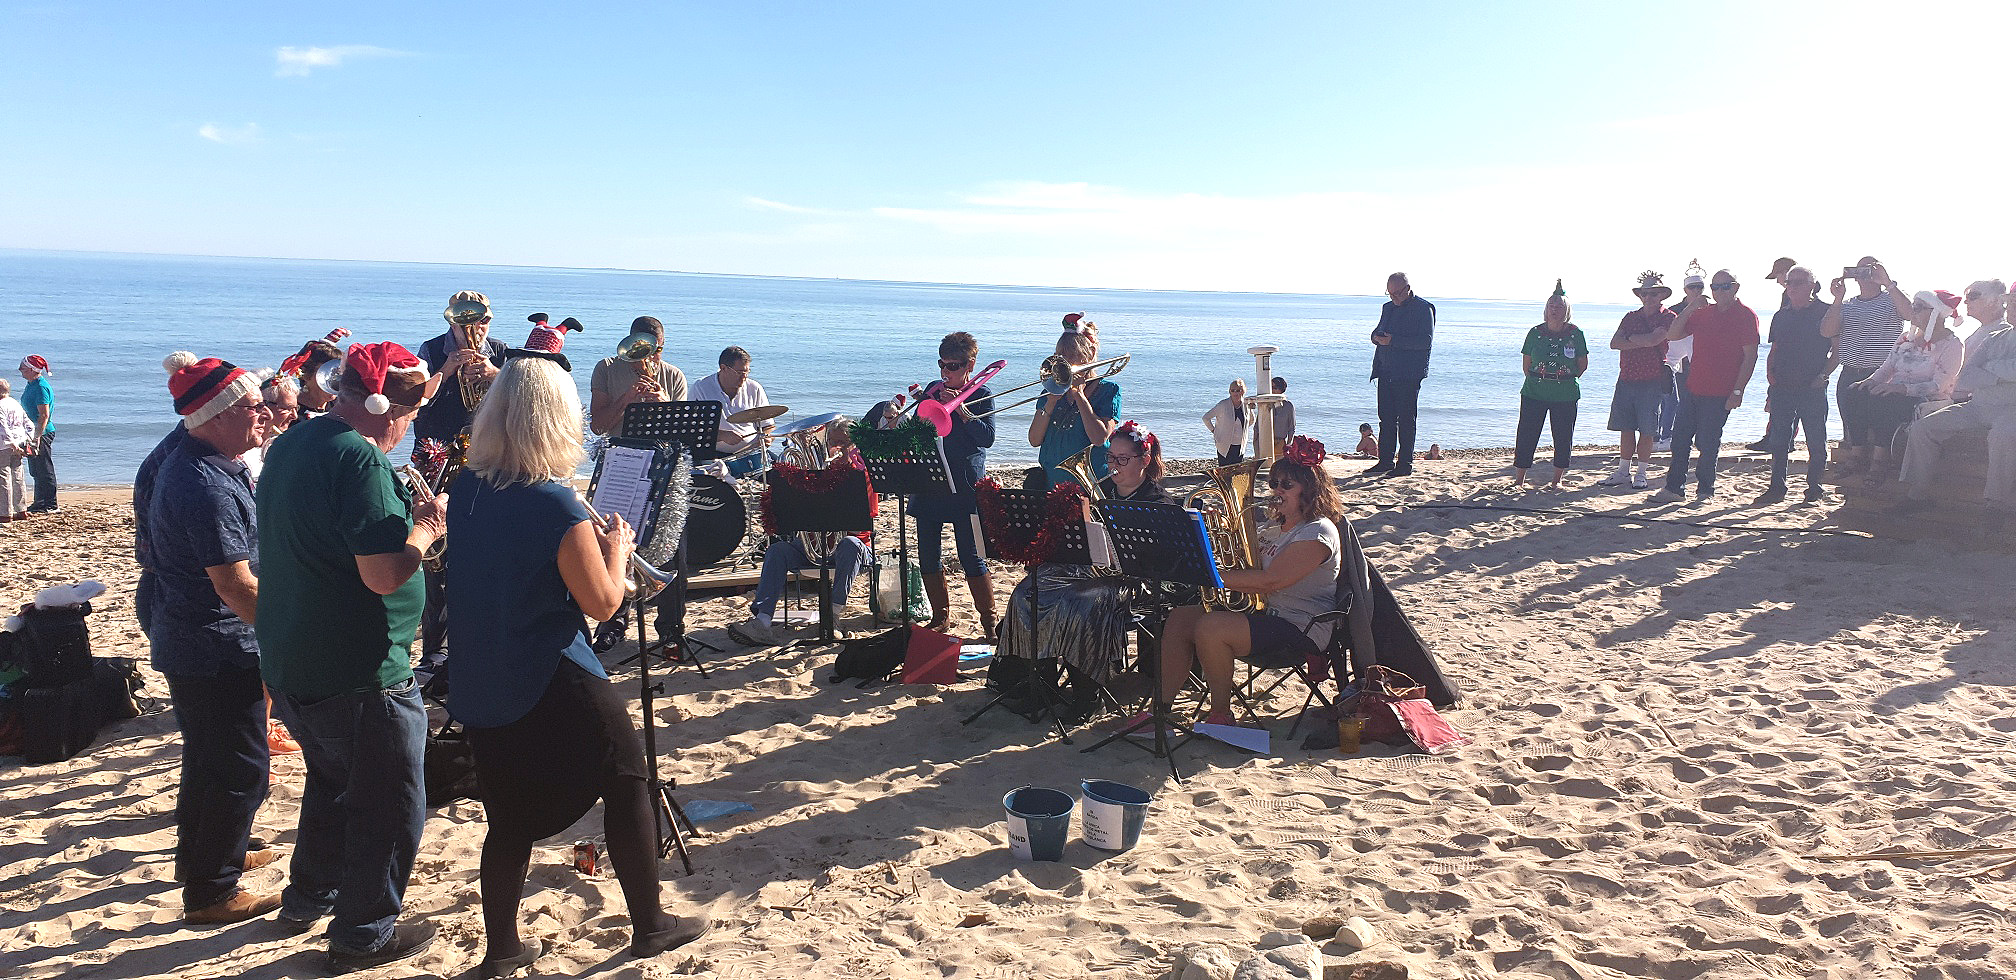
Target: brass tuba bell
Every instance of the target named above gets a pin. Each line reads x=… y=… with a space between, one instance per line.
x=1235 y=534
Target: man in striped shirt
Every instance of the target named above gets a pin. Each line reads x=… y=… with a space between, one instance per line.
x=1865 y=327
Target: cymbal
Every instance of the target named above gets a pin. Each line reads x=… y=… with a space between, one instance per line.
x=761 y=413
x=809 y=423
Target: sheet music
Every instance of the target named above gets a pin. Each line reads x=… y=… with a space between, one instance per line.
x=1100 y=545
x=625 y=486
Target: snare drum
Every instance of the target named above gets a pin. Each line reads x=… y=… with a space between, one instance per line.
x=717 y=522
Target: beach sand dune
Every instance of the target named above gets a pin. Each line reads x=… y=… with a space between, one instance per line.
x=1673 y=723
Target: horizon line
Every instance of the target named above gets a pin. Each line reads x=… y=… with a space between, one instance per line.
x=726 y=275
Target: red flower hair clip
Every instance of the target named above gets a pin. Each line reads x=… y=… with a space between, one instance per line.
x=1304 y=450
x=1139 y=433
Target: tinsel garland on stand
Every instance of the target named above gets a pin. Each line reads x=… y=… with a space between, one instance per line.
x=804 y=481
x=1065 y=503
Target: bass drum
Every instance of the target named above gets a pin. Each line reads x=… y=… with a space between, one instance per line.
x=716 y=523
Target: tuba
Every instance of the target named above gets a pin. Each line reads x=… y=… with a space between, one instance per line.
x=1080 y=468
x=1235 y=535
x=809 y=450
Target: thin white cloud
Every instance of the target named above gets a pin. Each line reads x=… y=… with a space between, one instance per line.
x=229 y=135
x=293 y=62
x=765 y=204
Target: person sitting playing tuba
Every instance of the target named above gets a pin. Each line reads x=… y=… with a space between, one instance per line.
x=1298 y=575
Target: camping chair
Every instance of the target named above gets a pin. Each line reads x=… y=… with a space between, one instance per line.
x=1351 y=640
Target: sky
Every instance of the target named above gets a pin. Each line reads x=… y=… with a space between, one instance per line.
x=1484 y=147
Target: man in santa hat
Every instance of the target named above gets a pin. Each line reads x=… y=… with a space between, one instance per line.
x=340 y=540
x=202 y=546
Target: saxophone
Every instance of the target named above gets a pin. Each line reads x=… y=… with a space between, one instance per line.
x=1235 y=536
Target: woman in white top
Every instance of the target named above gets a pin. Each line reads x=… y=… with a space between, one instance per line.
x=1920 y=370
x=16 y=432
x=1230 y=422
x=1298 y=576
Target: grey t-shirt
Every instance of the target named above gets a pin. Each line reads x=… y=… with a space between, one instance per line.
x=1316 y=593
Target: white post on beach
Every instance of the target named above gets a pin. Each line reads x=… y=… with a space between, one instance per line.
x=1263 y=401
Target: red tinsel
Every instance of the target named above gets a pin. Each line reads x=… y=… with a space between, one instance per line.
x=809 y=482
x=1065 y=504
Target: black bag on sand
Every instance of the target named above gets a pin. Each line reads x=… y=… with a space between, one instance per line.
x=873 y=659
x=116 y=681
x=448 y=766
x=53 y=647
x=59 y=721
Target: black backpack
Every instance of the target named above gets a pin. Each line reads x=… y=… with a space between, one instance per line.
x=52 y=648
x=871 y=658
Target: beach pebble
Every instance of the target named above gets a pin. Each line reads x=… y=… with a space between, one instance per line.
x=1204 y=963
x=1356 y=933
x=1273 y=939
x=1296 y=961
x=1322 y=926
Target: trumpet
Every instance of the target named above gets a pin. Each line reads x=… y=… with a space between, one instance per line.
x=436 y=555
x=645 y=579
x=642 y=349
x=1058 y=376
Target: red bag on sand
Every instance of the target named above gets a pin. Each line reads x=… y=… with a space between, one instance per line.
x=933 y=658
x=1381 y=689
x=1427 y=728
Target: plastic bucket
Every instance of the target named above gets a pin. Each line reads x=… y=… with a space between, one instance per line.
x=1114 y=813
x=1039 y=822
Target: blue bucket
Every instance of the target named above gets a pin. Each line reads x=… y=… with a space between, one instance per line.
x=1114 y=813
x=1039 y=822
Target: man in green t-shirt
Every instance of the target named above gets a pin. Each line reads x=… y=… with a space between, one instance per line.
x=340 y=538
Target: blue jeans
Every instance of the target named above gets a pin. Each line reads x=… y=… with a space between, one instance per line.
x=42 y=469
x=1791 y=408
x=224 y=774
x=965 y=537
x=1399 y=401
x=787 y=555
x=1700 y=427
x=361 y=810
x=1669 y=404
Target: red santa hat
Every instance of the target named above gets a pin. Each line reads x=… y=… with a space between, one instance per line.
x=204 y=388
x=546 y=341
x=36 y=362
x=389 y=375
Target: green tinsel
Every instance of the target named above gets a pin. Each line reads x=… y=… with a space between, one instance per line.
x=912 y=438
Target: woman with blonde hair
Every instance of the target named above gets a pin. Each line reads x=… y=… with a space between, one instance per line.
x=1079 y=416
x=551 y=738
x=1230 y=424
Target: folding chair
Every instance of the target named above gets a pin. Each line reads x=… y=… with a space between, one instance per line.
x=1335 y=654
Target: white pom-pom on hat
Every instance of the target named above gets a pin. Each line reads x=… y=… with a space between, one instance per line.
x=377 y=404
x=177 y=361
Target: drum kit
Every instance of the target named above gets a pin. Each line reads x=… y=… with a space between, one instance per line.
x=719 y=530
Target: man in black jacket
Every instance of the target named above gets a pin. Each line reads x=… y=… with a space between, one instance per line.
x=1401 y=343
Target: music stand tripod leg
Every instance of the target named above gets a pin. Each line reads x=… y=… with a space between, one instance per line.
x=1159 y=715
x=666 y=813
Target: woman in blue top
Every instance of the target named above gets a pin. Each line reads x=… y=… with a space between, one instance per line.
x=549 y=733
x=966 y=452
x=1079 y=416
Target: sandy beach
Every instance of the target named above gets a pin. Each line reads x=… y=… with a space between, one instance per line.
x=1678 y=711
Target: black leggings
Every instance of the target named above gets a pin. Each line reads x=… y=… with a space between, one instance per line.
x=633 y=851
x=1558 y=416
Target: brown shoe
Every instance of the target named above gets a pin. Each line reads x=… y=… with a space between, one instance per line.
x=260 y=859
x=242 y=905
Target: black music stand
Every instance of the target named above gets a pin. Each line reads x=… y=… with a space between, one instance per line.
x=903 y=475
x=692 y=425
x=1164 y=543
x=668 y=816
x=1024 y=513
x=839 y=510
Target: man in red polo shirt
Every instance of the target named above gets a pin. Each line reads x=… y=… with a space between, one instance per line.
x=1725 y=352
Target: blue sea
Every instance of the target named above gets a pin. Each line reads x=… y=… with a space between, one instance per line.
x=105 y=321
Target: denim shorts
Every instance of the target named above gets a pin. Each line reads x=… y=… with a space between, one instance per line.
x=1635 y=406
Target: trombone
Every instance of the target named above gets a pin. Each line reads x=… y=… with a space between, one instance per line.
x=1058 y=376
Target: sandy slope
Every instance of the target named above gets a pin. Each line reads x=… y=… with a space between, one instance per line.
x=1673 y=722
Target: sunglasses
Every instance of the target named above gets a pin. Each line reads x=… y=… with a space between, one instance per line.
x=1280 y=484
x=1720 y=286
x=1123 y=458
x=944 y=365
x=1972 y=297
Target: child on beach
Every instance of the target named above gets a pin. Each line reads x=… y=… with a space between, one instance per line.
x=1368 y=444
